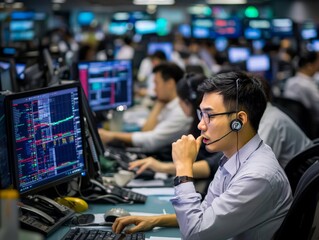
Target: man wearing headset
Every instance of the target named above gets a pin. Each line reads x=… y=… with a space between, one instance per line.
x=250 y=193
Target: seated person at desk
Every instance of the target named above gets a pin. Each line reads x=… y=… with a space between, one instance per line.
x=166 y=122
x=276 y=128
x=250 y=193
x=189 y=100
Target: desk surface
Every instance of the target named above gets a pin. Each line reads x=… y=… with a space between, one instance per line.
x=154 y=204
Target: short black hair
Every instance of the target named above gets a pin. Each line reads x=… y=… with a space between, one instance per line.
x=159 y=54
x=306 y=58
x=169 y=70
x=251 y=95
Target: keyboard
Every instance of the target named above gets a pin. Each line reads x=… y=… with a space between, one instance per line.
x=99 y=234
x=123 y=158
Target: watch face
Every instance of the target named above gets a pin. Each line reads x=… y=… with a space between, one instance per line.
x=182 y=179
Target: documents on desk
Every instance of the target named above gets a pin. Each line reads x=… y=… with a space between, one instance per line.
x=149 y=183
x=155 y=191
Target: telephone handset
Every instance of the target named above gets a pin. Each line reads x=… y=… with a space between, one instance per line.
x=29 y=212
x=113 y=194
x=48 y=205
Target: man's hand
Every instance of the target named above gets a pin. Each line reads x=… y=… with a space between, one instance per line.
x=184 y=152
x=106 y=136
x=142 y=223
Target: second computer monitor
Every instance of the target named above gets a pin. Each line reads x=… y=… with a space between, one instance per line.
x=45 y=132
x=107 y=84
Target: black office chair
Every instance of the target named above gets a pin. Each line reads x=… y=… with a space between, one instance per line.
x=300 y=221
x=298 y=112
x=300 y=163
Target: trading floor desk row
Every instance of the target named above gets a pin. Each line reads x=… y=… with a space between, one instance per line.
x=154 y=204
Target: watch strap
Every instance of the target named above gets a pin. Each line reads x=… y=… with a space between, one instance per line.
x=182 y=179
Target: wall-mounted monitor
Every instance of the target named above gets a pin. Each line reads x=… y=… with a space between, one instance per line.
x=238 y=54
x=118 y=28
x=143 y=27
x=22 y=30
x=202 y=28
x=228 y=28
x=107 y=84
x=45 y=132
x=282 y=27
x=257 y=28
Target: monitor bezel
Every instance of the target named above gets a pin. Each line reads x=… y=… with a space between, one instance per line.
x=11 y=140
x=131 y=88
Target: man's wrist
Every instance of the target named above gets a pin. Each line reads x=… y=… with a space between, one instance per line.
x=182 y=179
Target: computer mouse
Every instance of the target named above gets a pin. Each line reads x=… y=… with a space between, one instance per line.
x=114 y=213
x=76 y=204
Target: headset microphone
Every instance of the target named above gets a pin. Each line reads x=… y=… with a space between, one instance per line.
x=218 y=139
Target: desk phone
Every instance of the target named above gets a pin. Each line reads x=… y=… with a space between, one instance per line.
x=41 y=214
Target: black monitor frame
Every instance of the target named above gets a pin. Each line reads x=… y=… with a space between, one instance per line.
x=87 y=86
x=12 y=153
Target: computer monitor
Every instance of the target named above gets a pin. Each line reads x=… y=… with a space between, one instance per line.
x=258 y=63
x=45 y=132
x=107 y=84
x=308 y=30
x=166 y=47
x=238 y=54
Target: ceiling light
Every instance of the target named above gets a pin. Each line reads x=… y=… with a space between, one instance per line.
x=58 y=1
x=153 y=2
x=221 y=2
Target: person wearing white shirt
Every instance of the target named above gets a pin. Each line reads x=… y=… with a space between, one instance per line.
x=166 y=122
x=302 y=86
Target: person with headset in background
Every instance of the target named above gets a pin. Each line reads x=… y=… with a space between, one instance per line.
x=189 y=100
x=250 y=193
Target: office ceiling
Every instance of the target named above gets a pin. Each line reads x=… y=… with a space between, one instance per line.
x=114 y=4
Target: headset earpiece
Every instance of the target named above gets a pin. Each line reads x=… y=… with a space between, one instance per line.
x=192 y=93
x=236 y=125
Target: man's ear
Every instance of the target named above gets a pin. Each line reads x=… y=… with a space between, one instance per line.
x=243 y=117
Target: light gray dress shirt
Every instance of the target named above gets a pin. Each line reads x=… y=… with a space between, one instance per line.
x=282 y=134
x=248 y=198
x=172 y=124
x=304 y=89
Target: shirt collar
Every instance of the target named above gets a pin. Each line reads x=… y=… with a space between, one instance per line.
x=302 y=75
x=232 y=164
x=172 y=104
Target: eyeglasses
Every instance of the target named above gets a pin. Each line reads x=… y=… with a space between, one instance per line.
x=206 y=116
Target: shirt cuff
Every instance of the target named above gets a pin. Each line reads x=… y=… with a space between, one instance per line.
x=185 y=188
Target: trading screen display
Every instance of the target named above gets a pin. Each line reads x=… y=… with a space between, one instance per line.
x=107 y=84
x=46 y=131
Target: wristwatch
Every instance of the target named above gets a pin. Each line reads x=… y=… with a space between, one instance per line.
x=182 y=179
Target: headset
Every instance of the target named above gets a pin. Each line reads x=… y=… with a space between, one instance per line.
x=236 y=124
x=192 y=93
